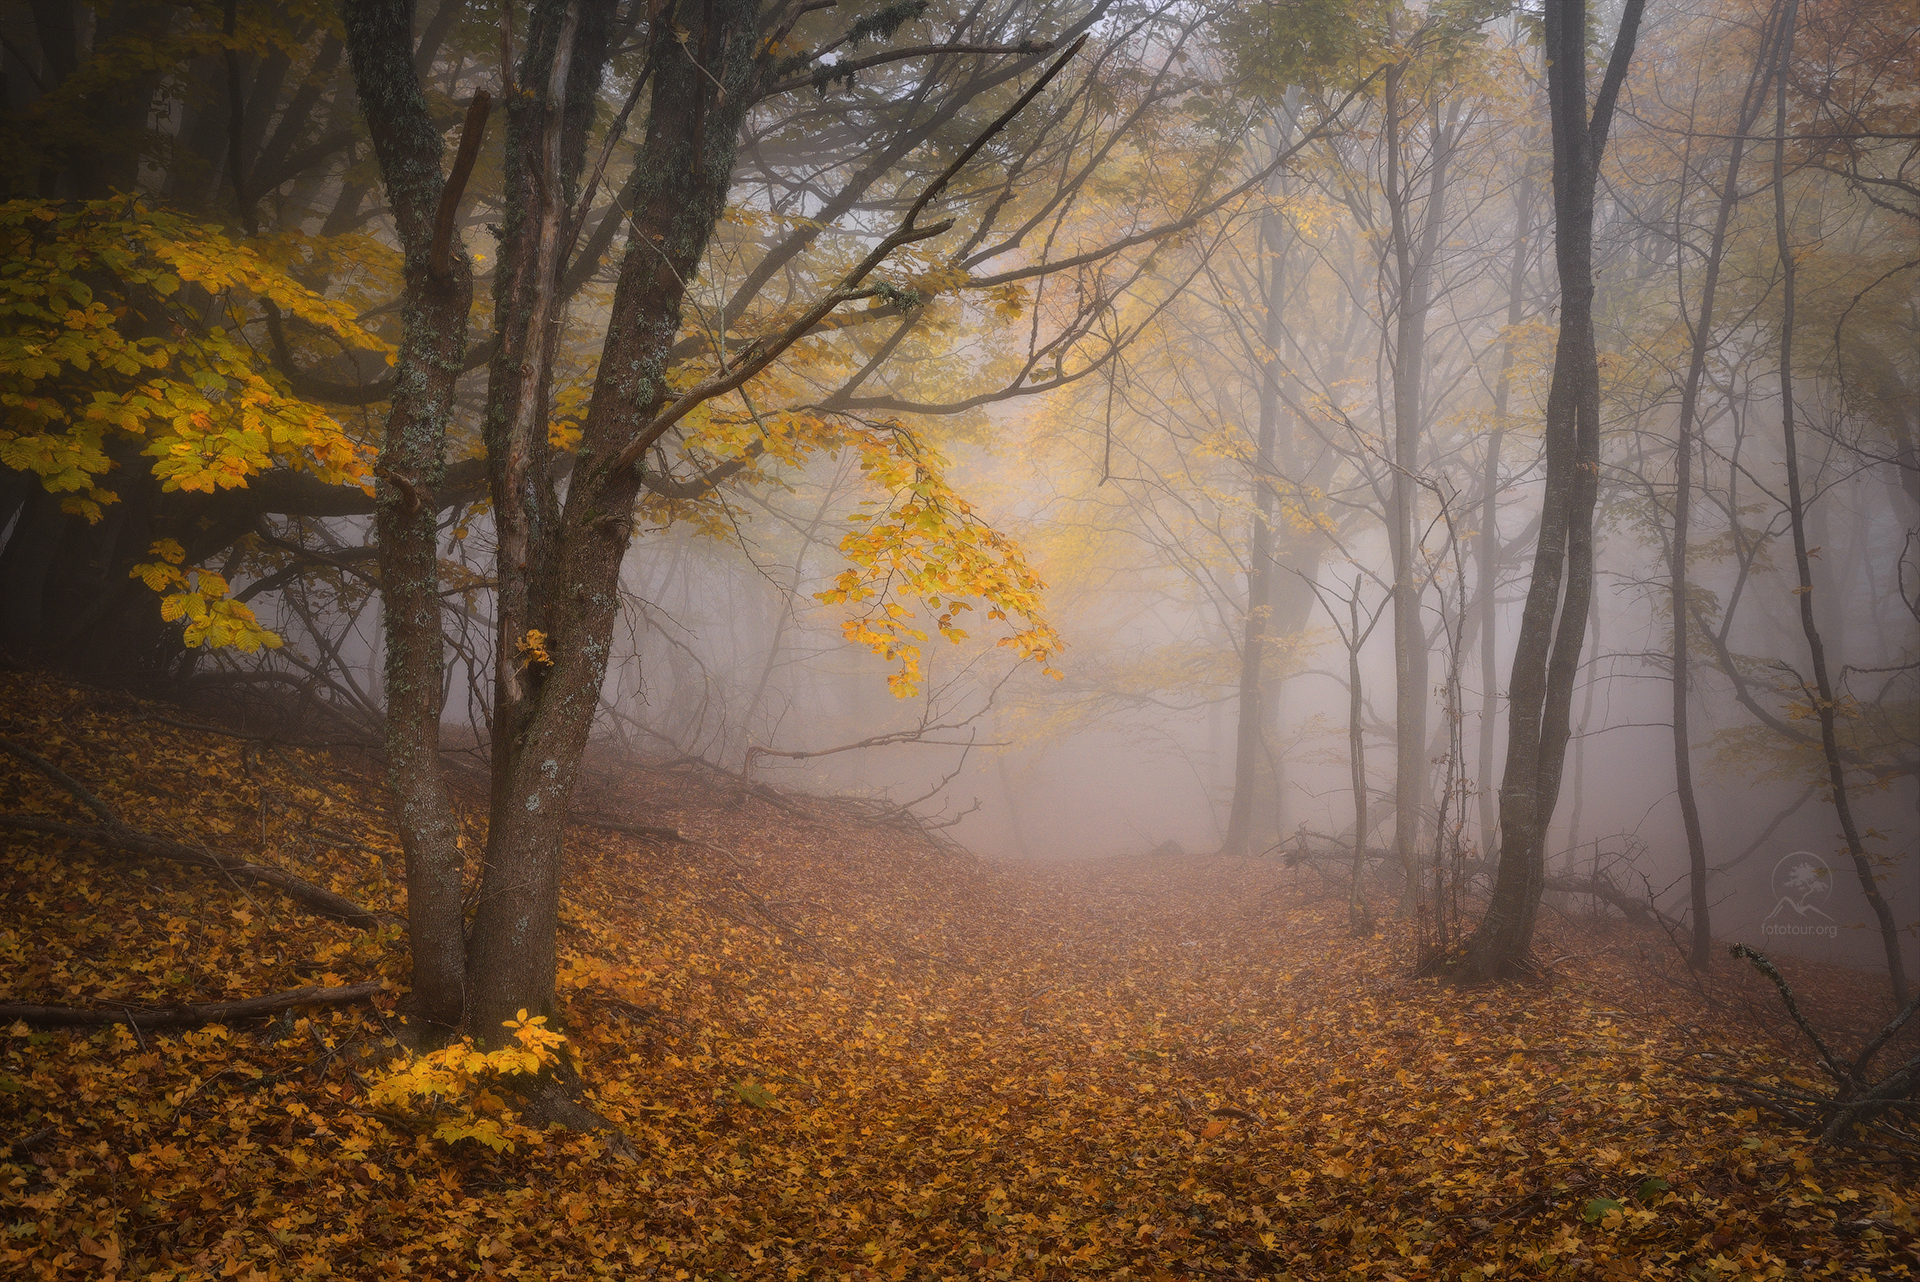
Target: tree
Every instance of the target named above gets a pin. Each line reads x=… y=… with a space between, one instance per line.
x=563 y=524
x=1684 y=448
x=1554 y=619
x=125 y=360
x=1821 y=691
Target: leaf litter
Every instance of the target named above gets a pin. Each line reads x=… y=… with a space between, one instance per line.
x=838 y=1049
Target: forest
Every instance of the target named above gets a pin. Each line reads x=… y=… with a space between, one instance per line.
x=931 y=639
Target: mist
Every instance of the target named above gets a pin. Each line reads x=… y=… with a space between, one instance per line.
x=1241 y=518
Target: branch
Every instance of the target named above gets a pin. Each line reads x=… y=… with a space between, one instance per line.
x=1174 y=228
x=1743 y=694
x=1887 y=1034
x=668 y=486
x=1616 y=76
x=754 y=361
x=292 y=165
x=309 y=388
x=823 y=76
x=193 y=1016
x=1856 y=1100
x=470 y=136
x=1828 y=1060
x=114 y=834
x=284 y=492
x=887 y=740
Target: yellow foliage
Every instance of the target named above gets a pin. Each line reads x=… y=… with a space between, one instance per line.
x=925 y=544
x=121 y=325
x=199 y=596
x=461 y=1076
x=532 y=649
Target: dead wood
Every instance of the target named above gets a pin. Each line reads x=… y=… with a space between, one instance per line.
x=1857 y=1102
x=114 y=834
x=191 y=1016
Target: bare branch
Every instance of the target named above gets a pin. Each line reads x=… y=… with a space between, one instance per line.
x=193 y=1016
x=822 y=76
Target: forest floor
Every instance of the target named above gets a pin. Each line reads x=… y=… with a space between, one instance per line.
x=841 y=1051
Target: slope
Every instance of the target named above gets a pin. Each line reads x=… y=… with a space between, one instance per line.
x=839 y=1050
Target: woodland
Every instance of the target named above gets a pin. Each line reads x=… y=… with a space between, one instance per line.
x=884 y=639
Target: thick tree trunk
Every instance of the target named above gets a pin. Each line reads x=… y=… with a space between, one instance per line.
x=1823 y=694
x=1554 y=620
x=411 y=473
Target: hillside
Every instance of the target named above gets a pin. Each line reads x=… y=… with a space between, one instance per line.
x=837 y=1050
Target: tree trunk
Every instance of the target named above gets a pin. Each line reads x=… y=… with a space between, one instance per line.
x=1359 y=916
x=411 y=472
x=1823 y=694
x=1580 y=728
x=1553 y=621
x=1700 y=955
x=1249 y=739
x=1487 y=544
x=1413 y=277
x=1259 y=620
x=559 y=571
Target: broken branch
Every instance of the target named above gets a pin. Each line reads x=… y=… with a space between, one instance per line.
x=192 y=1016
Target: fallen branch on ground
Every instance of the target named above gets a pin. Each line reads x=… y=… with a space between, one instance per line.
x=192 y=1016
x=114 y=834
x=1857 y=1101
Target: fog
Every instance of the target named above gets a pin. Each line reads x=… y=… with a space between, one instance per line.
x=1240 y=340
x=884 y=639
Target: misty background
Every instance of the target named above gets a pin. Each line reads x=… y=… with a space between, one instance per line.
x=1207 y=483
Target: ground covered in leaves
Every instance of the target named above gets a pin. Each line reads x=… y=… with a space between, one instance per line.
x=840 y=1051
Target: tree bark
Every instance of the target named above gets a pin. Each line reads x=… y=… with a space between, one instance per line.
x=1487 y=543
x=411 y=473
x=1250 y=729
x=1553 y=621
x=1413 y=277
x=1359 y=917
x=559 y=569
